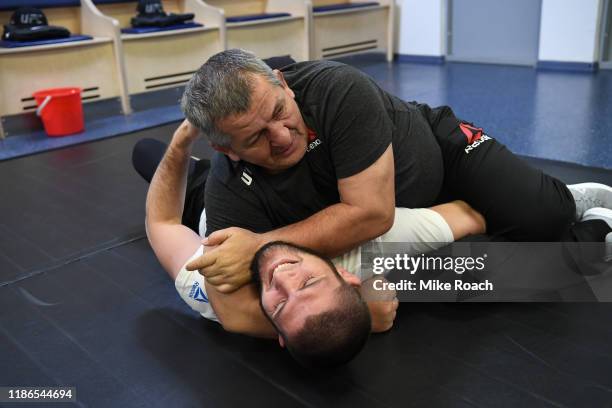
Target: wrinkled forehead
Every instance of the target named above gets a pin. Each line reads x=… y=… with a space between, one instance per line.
x=259 y=86
x=262 y=100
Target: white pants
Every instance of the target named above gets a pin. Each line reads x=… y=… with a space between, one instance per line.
x=420 y=230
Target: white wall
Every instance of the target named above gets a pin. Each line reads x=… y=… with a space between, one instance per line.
x=569 y=30
x=421 y=27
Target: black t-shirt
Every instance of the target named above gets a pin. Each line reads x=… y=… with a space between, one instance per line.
x=354 y=121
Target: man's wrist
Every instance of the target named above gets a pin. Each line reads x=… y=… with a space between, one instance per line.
x=263 y=239
x=270 y=236
x=185 y=135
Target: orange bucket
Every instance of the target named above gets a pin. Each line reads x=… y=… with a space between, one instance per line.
x=61 y=110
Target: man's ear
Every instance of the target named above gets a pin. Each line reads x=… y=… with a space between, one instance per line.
x=281 y=341
x=226 y=150
x=348 y=277
x=281 y=78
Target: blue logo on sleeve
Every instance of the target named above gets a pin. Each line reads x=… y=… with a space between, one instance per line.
x=196 y=293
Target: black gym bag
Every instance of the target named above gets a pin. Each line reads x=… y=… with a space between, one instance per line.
x=30 y=24
x=151 y=14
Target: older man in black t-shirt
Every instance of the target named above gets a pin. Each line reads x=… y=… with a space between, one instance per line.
x=319 y=155
x=336 y=123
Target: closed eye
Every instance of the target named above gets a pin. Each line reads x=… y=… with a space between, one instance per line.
x=278 y=307
x=279 y=112
x=254 y=139
x=306 y=283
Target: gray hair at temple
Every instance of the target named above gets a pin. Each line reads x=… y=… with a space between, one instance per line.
x=220 y=88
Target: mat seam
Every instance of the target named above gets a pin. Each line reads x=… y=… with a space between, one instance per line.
x=72 y=259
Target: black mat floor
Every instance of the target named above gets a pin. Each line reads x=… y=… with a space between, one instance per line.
x=84 y=303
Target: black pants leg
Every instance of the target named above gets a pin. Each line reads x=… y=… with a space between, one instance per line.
x=519 y=202
x=147 y=155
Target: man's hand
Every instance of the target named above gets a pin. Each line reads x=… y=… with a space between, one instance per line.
x=226 y=264
x=382 y=304
x=186 y=131
x=383 y=315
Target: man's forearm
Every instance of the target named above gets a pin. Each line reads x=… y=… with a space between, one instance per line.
x=166 y=195
x=366 y=211
x=335 y=230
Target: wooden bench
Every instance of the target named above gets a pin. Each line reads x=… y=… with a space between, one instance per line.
x=93 y=65
x=349 y=27
x=166 y=58
x=268 y=27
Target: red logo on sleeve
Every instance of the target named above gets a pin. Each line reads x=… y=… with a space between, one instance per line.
x=311 y=135
x=471 y=133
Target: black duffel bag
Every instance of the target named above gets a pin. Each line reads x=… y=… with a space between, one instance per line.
x=30 y=24
x=151 y=14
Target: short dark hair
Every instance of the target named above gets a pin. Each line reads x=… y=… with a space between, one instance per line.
x=333 y=337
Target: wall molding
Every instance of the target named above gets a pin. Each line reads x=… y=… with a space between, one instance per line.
x=568 y=66
x=420 y=59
